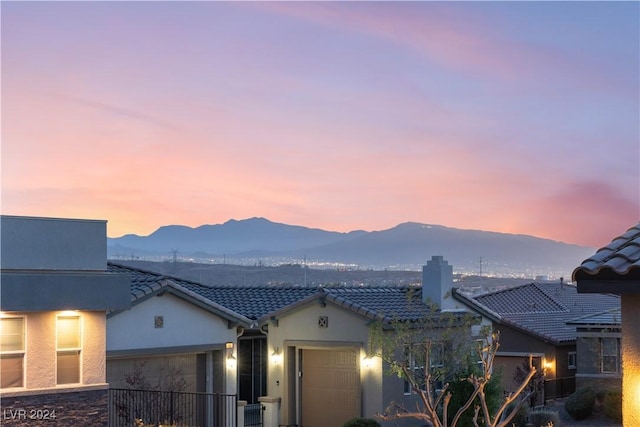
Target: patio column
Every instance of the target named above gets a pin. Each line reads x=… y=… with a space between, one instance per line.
x=271 y=411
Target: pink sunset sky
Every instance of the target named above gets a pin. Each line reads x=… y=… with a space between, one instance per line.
x=501 y=116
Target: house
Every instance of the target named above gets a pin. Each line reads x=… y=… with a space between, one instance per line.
x=54 y=294
x=316 y=355
x=533 y=320
x=599 y=363
x=615 y=268
x=172 y=337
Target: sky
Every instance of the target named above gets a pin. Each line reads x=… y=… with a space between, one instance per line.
x=515 y=117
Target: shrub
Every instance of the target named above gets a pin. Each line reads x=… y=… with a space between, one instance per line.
x=361 y=422
x=613 y=405
x=520 y=418
x=461 y=390
x=543 y=418
x=580 y=404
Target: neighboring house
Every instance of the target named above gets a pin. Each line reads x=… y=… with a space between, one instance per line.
x=252 y=302
x=318 y=366
x=615 y=268
x=599 y=363
x=172 y=337
x=54 y=295
x=532 y=320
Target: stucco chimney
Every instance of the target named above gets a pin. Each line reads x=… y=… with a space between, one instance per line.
x=437 y=281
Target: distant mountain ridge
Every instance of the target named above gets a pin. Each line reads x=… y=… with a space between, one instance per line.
x=406 y=246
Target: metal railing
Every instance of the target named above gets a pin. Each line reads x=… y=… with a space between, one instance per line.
x=254 y=415
x=146 y=408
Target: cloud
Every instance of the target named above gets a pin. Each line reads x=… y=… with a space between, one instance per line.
x=589 y=212
x=119 y=111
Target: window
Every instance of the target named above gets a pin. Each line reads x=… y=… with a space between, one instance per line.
x=571 y=360
x=433 y=353
x=415 y=355
x=69 y=343
x=609 y=355
x=12 y=349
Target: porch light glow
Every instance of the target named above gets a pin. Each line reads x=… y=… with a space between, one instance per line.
x=69 y=313
x=231 y=360
x=367 y=362
x=276 y=356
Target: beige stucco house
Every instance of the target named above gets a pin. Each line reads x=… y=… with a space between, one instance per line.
x=54 y=295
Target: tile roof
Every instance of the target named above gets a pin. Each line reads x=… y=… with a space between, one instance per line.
x=146 y=283
x=541 y=309
x=262 y=301
x=616 y=260
x=255 y=302
x=389 y=303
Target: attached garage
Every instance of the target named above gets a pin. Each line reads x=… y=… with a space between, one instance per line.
x=329 y=379
x=181 y=372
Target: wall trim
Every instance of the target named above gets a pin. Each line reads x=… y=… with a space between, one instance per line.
x=54 y=390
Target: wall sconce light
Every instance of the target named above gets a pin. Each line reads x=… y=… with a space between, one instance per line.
x=276 y=356
x=367 y=362
x=548 y=365
x=231 y=360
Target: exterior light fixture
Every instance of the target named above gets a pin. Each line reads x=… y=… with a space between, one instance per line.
x=229 y=348
x=231 y=360
x=367 y=362
x=276 y=356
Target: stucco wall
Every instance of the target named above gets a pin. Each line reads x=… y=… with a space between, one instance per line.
x=184 y=324
x=630 y=360
x=40 y=359
x=53 y=243
x=300 y=329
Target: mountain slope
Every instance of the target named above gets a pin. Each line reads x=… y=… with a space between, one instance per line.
x=405 y=246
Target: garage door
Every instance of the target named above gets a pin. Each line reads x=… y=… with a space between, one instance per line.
x=330 y=386
x=183 y=372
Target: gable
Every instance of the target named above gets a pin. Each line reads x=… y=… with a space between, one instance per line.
x=166 y=320
x=316 y=321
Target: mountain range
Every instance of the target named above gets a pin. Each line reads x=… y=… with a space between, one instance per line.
x=406 y=246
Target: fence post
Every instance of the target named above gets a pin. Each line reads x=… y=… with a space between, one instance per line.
x=171 y=407
x=240 y=417
x=271 y=410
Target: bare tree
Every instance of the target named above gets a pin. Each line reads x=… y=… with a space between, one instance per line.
x=431 y=354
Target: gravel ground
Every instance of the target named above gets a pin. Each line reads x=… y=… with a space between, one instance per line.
x=597 y=419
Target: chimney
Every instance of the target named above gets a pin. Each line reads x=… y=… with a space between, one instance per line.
x=437 y=281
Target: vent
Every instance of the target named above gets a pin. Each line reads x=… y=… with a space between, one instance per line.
x=323 y=322
x=158 y=322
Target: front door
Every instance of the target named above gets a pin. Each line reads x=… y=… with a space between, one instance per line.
x=330 y=387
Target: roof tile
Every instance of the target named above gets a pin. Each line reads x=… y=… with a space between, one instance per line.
x=618 y=258
x=543 y=309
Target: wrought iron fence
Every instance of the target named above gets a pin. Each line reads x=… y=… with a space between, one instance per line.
x=254 y=415
x=146 y=408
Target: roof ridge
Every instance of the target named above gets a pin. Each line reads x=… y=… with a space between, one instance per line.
x=140 y=270
x=550 y=296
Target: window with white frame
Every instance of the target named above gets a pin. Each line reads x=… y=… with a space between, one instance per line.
x=609 y=355
x=68 y=346
x=571 y=360
x=12 y=352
